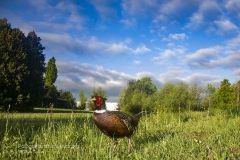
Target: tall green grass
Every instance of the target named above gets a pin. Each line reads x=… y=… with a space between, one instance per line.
x=189 y=135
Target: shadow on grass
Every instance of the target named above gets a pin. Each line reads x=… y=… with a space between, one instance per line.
x=156 y=136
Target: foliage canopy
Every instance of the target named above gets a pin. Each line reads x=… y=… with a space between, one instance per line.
x=22 y=67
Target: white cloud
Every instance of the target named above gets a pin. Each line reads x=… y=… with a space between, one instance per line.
x=172 y=75
x=226 y=25
x=170 y=44
x=104 y=8
x=201 y=79
x=40 y=5
x=237 y=72
x=175 y=75
x=196 y=20
x=181 y=36
x=170 y=54
x=202 y=57
x=141 y=7
x=233 y=43
x=65 y=42
x=225 y=56
x=229 y=61
x=208 y=11
x=140 y=75
x=165 y=54
x=129 y=23
x=74 y=76
x=136 y=62
x=233 y=6
x=141 y=49
x=119 y=49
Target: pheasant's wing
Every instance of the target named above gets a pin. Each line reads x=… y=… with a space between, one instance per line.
x=127 y=121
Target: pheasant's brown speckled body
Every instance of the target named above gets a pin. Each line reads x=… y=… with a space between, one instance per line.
x=116 y=124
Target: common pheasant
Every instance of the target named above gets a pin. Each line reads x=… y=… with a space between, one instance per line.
x=114 y=124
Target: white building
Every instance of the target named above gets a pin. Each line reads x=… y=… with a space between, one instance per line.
x=111 y=106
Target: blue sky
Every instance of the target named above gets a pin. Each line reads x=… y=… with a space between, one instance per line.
x=108 y=42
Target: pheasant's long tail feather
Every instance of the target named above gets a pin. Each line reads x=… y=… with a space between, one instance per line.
x=139 y=115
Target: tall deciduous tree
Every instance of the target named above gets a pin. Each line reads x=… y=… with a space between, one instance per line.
x=210 y=96
x=83 y=100
x=195 y=95
x=138 y=95
x=166 y=97
x=237 y=94
x=51 y=72
x=225 y=96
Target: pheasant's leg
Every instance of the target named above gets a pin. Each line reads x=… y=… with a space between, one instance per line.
x=115 y=143
x=129 y=144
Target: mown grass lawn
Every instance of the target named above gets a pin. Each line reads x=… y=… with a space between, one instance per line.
x=189 y=135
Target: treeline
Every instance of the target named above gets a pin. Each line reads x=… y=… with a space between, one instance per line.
x=143 y=95
x=22 y=68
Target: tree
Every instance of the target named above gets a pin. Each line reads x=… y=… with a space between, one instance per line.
x=36 y=68
x=50 y=78
x=166 y=97
x=136 y=96
x=51 y=72
x=69 y=97
x=145 y=85
x=210 y=94
x=83 y=100
x=237 y=94
x=195 y=93
x=21 y=74
x=225 y=96
x=13 y=66
x=179 y=97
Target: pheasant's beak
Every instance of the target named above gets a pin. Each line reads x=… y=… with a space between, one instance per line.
x=94 y=99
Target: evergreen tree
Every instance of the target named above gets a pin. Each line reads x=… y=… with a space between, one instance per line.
x=36 y=68
x=16 y=81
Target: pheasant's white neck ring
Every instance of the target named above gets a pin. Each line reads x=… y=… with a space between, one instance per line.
x=100 y=111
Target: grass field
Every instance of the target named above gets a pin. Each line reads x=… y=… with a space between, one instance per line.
x=189 y=135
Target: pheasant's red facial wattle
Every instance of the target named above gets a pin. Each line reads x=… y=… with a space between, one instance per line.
x=99 y=101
